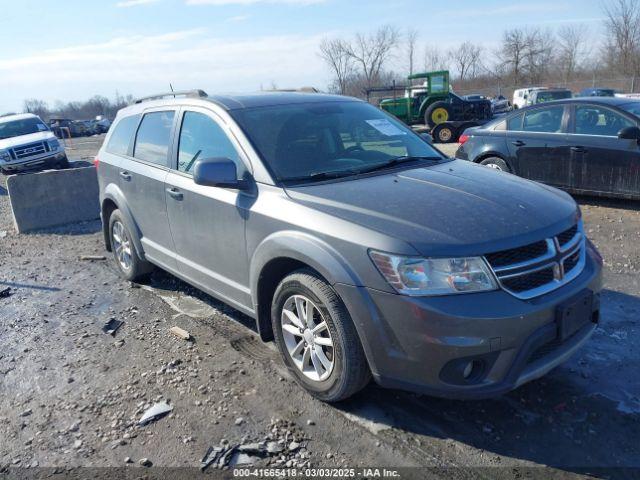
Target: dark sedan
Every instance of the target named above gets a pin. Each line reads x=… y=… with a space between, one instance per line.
x=583 y=145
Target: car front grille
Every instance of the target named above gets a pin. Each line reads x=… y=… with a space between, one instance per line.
x=29 y=150
x=540 y=267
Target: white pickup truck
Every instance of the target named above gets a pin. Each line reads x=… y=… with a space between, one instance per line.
x=26 y=143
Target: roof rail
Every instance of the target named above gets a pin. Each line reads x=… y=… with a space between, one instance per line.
x=181 y=93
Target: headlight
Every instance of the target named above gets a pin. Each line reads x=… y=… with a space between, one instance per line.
x=54 y=144
x=5 y=156
x=434 y=276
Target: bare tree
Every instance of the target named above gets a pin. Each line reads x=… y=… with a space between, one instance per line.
x=539 y=53
x=434 y=59
x=570 y=49
x=37 y=107
x=467 y=59
x=371 y=52
x=335 y=52
x=623 y=35
x=513 y=51
x=412 y=39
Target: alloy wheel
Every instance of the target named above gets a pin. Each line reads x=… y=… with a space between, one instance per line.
x=307 y=338
x=121 y=245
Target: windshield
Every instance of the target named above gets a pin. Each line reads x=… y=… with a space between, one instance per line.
x=21 y=127
x=633 y=108
x=548 y=96
x=312 y=141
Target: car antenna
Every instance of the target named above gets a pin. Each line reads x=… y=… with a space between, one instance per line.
x=171 y=87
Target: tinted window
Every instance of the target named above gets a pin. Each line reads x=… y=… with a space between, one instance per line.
x=515 y=122
x=595 y=120
x=543 y=96
x=154 y=135
x=201 y=137
x=547 y=120
x=122 y=135
x=303 y=141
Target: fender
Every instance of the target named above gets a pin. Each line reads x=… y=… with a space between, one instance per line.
x=112 y=192
x=304 y=248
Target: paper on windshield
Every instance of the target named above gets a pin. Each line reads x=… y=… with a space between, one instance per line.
x=385 y=127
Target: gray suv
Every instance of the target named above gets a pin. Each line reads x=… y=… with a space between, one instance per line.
x=357 y=246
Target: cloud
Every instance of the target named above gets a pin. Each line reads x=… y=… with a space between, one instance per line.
x=134 y=3
x=252 y=2
x=141 y=65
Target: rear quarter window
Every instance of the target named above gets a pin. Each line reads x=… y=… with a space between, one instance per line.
x=122 y=134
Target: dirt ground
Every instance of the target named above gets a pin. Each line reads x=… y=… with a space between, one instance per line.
x=71 y=395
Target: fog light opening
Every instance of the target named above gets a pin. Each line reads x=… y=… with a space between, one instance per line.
x=472 y=370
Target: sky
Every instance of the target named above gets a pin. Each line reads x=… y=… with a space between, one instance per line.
x=73 y=49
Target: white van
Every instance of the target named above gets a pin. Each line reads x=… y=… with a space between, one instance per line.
x=521 y=96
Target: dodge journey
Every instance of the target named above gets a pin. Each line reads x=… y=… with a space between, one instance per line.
x=353 y=243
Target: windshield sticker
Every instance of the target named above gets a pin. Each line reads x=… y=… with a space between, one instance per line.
x=385 y=127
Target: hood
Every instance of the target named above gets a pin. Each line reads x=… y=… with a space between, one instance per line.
x=454 y=208
x=25 y=139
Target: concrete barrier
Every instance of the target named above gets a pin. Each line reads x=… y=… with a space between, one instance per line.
x=53 y=198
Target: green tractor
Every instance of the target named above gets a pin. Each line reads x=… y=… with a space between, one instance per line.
x=434 y=104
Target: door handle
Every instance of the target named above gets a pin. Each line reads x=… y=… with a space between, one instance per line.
x=578 y=149
x=126 y=175
x=519 y=143
x=175 y=193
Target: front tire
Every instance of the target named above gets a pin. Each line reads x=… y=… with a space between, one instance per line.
x=131 y=267
x=317 y=339
x=496 y=163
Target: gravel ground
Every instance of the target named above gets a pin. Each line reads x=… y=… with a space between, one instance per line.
x=71 y=395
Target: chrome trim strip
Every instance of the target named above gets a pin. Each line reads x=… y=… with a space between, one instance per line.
x=559 y=255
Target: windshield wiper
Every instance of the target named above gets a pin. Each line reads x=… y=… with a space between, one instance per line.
x=315 y=176
x=397 y=161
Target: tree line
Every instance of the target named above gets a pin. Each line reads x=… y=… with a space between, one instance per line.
x=572 y=54
x=78 y=110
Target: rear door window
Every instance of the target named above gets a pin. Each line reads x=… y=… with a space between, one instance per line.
x=122 y=134
x=154 y=137
x=544 y=120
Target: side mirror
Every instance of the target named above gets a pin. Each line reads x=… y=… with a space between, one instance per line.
x=525 y=96
x=630 y=133
x=217 y=172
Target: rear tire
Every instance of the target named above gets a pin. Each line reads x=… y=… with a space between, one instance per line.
x=131 y=267
x=445 y=134
x=437 y=113
x=335 y=367
x=496 y=163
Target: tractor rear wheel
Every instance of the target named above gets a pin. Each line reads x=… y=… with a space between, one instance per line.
x=437 y=113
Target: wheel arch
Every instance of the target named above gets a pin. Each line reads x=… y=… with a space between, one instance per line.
x=491 y=153
x=283 y=253
x=113 y=199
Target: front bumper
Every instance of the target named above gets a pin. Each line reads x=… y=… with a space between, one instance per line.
x=417 y=343
x=33 y=163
